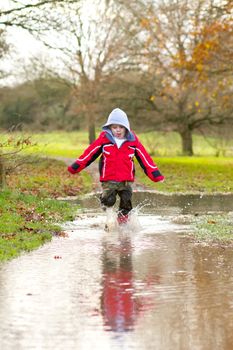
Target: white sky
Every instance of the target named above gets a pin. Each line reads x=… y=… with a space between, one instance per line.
x=24 y=43
x=24 y=47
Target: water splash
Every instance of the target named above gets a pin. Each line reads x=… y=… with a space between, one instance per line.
x=133 y=223
x=111 y=220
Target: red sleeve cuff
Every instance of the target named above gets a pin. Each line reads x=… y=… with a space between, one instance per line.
x=159 y=178
x=71 y=170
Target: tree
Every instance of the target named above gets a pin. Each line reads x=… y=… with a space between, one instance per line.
x=42 y=103
x=176 y=49
x=11 y=147
x=4 y=49
x=92 y=46
x=35 y=16
x=130 y=89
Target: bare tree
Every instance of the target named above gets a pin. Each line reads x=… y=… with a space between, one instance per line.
x=4 y=49
x=92 y=44
x=33 y=16
x=11 y=155
x=181 y=46
x=37 y=17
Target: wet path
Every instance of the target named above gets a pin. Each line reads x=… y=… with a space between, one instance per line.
x=147 y=287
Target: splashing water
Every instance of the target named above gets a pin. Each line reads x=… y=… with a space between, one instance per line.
x=133 y=223
x=112 y=225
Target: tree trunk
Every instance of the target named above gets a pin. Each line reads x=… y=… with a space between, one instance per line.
x=91 y=127
x=2 y=173
x=187 y=141
x=91 y=132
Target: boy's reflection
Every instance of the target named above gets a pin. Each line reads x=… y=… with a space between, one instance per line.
x=118 y=304
x=120 y=307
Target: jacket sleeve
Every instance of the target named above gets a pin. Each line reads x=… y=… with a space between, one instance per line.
x=147 y=164
x=89 y=155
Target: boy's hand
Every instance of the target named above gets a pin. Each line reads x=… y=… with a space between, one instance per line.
x=160 y=178
x=73 y=168
x=156 y=176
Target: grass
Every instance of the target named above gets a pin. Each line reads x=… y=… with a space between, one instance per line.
x=30 y=214
x=193 y=174
x=70 y=144
x=48 y=178
x=204 y=173
x=169 y=144
x=62 y=144
x=214 y=228
x=27 y=221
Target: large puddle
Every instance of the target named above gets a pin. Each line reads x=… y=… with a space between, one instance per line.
x=145 y=286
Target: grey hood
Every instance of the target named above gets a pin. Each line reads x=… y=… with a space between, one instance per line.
x=117 y=116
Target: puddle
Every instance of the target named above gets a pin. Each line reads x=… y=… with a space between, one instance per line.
x=145 y=286
x=160 y=203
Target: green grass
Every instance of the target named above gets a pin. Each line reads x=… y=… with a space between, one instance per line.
x=48 y=178
x=27 y=222
x=214 y=228
x=169 y=144
x=29 y=211
x=183 y=174
x=71 y=144
x=192 y=174
x=62 y=144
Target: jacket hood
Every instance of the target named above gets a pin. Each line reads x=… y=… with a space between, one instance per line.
x=117 y=116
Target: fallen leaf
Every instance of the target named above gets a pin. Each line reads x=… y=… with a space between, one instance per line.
x=211 y=222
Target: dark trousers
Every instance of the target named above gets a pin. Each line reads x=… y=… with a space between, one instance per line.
x=110 y=191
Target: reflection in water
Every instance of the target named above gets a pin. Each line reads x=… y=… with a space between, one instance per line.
x=153 y=289
x=120 y=302
x=118 y=305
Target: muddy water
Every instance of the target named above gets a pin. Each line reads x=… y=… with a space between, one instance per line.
x=143 y=286
x=180 y=203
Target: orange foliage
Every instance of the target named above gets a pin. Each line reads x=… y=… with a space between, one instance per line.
x=210 y=45
x=145 y=23
x=213 y=39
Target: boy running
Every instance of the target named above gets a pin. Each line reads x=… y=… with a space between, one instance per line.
x=118 y=146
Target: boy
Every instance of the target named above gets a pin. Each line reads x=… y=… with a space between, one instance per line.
x=117 y=145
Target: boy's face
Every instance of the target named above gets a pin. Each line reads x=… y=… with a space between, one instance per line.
x=118 y=131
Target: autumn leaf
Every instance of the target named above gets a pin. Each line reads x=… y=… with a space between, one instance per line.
x=145 y=23
x=211 y=222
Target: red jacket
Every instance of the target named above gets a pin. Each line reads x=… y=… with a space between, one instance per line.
x=117 y=164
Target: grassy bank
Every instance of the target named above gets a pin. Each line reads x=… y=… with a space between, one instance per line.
x=30 y=214
x=28 y=221
x=214 y=228
x=48 y=178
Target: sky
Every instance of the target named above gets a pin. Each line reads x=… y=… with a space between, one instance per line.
x=24 y=47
